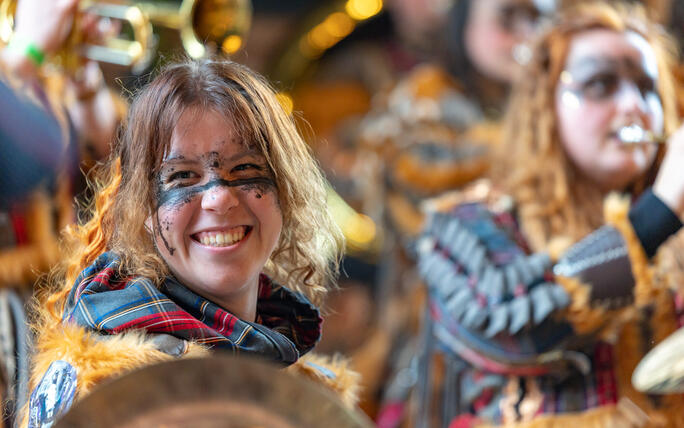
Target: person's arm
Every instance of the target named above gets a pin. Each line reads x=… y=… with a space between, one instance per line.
x=487 y=293
x=653 y=221
x=41 y=28
x=94 y=110
x=33 y=141
x=658 y=213
x=32 y=145
x=612 y=263
x=669 y=184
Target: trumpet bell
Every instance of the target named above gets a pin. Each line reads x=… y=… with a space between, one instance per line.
x=205 y=26
x=223 y=23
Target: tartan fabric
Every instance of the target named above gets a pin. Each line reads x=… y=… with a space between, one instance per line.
x=101 y=300
x=576 y=393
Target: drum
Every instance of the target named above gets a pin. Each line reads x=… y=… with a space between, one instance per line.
x=662 y=370
x=212 y=392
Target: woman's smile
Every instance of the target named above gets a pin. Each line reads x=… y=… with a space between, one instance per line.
x=218 y=218
x=222 y=238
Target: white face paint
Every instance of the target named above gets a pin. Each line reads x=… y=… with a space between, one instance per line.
x=571 y=100
x=609 y=81
x=547 y=7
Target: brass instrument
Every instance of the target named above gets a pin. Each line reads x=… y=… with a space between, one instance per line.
x=116 y=50
x=205 y=26
x=636 y=134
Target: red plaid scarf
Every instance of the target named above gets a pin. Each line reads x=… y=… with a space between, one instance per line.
x=101 y=300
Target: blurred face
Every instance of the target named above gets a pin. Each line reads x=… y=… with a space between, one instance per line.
x=417 y=20
x=609 y=82
x=496 y=33
x=218 y=218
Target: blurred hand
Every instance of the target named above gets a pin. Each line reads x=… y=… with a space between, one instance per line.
x=86 y=81
x=93 y=108
x=46 y=23
x=669 y=185
x=96 y=29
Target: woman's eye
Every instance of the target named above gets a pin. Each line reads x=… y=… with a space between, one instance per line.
x=646 y=85
x=181 y=176
x=247 y=167
x=601 y=86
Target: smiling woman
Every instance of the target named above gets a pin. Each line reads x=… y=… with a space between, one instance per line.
x=209 y=203
x=218 y=218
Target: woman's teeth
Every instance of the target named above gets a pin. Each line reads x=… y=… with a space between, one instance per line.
x=222 y=238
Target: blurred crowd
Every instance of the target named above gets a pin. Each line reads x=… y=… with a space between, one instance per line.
x=506 y=174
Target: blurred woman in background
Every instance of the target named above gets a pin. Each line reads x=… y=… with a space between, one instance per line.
x=532 y=345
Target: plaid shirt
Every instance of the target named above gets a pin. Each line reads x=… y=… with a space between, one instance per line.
x=101 y=300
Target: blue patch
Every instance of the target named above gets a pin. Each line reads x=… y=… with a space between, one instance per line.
x=322 y=370
x=53 y=395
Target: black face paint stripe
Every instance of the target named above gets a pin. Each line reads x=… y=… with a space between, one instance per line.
x=177 y=195
x=161 y=234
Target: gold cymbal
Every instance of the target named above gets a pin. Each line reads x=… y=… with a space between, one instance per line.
x=212 y=392
x=661 y=371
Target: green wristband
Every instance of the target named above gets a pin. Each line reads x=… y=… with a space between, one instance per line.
x=27 y=48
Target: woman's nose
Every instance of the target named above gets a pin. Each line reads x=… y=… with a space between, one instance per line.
x=219 y=198
x=630 y=99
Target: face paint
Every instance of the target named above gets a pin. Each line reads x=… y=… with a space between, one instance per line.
x=181 y=195
x=609 y=82
x=570 y=100
x=175 y=196
x=217 y=216
x=603 y=79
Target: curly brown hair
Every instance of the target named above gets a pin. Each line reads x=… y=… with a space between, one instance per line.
x=307 y=255
x=554 y=199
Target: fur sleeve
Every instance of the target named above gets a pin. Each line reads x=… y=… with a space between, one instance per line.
x=332 y=372
x=95 y=359
x=615 y=211
x=586 y=316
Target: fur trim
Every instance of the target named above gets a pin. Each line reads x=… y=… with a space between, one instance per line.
x=666 y=411
x=345 y=381
x=21 y=265
x=582 y=316
x=587 y=318
x=625 y=415
x=95 y=358
x=660 y=321
x=651 y=291
x=558 y=245
x=481 y=191
x=615 y=210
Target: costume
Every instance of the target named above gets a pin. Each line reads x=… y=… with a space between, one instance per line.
x=545 y=339
x=33 y=145
x=35 y=202
x=113 y=324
